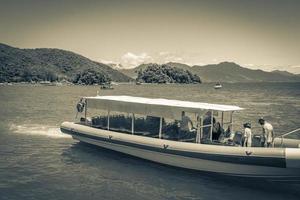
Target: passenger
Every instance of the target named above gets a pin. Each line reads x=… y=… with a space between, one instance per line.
x=186 y=126
x=247 y=135
x=206 y=122
x=267 y=134
x=217 y=128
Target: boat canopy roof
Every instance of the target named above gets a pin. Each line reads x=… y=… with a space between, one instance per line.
x=154 y=107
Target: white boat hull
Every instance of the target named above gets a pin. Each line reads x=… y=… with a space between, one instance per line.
x=162 y=151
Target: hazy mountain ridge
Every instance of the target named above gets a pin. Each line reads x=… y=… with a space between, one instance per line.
x=226 y=72
x=286 y=73
x=232 y=72
x=14 y=62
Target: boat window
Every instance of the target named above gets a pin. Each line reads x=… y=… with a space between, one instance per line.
x=226 y=123
x=170 y=129
x=184 y=129
x=189 y=128
x=146 y=125
x=97 y=118
x=120 y=122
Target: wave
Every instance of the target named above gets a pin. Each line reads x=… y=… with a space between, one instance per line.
x=38 y=129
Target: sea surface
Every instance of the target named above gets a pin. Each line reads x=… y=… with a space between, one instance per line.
x=37 y=161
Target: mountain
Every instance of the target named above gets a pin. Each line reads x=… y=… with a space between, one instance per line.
x=285 y=73
x=117 y=66
x=133 y=73
x=226 y=72
x=44 y=63
x=232 y=72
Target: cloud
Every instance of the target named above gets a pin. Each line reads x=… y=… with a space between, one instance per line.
x=165 y=57
x=163 y=53
x=131 y=60
x=249 y=65
x=295 y=66
x=294 y=69
x=106 y=61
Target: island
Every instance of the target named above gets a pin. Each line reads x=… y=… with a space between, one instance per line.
x=165 y=73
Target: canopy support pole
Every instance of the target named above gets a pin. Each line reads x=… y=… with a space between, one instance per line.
x=231 y=121
x=199 y=130
x=132 y=124
x=211 y=123
x=85 y=112
x=108 y=113
x=222 y=120
x=160 y=128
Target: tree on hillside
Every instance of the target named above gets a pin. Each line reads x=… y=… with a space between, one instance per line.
x=155 y=73
x=90 y=77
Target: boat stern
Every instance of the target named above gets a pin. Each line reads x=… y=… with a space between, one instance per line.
x=292 y=157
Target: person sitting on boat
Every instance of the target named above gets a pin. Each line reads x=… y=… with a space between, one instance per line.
x=217 y=128
x=207 y=122
x=247 y=135
x=267 y=134
x=186 y=126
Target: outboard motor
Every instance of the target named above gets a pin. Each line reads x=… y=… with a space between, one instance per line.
x=238 y=138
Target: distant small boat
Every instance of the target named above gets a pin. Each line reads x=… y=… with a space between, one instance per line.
x=218 y=86
x=107 y=87
x=138 y=83
x=114 y=83
x=46 y=83
x=58 y=84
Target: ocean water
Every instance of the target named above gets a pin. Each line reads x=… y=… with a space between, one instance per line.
x=37 y=161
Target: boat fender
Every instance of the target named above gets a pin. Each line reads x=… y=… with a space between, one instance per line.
x=80 y=106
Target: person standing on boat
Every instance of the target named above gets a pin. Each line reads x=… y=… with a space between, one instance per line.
x=247 y=135
x=268 y=133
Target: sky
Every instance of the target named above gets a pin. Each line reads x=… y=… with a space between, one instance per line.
x=256 y=34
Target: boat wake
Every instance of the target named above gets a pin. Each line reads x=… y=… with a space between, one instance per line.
x=38 y=129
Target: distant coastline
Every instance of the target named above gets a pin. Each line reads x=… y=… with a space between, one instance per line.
x=64 y=67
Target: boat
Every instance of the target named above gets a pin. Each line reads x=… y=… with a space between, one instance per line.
x=107 y=87
x=218 y=86
x=147 y=127
x=47 y=83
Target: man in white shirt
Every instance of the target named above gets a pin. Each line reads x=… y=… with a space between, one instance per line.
x=268 y=133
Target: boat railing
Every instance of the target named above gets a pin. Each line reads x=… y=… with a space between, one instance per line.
x=286 y=134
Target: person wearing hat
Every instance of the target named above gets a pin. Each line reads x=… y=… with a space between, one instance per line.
x=247 y=135
x=268 y=134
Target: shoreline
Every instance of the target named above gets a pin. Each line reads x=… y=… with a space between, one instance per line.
x=134 y=83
